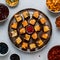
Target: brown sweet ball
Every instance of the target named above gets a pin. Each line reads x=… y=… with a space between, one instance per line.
x=58 y=22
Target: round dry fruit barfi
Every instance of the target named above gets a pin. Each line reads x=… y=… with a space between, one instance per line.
x=14 y=25
x=27 y=37
x=35 y=36
x=26 y=15
x=42 y=20
x=12 y=3
x=18 y=40
x=22 y=30
x=36 y=15
x=32 y=46
x=32 y=21
x=14 y=33
x=46 y=28
x=18 y=17
x=39 y=43
x=24 y=23
x=24 y=46
x=37 y=28
x=44 y=36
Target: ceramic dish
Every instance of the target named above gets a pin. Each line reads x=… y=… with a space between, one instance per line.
x=4 y=49
x=54 y=53
x=54 y=6
x=30 y=30
x=12 y=3
x=4 y=12
x=57 y=22
x=14 y=57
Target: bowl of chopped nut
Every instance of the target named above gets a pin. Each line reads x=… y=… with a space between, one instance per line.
x=53 y=6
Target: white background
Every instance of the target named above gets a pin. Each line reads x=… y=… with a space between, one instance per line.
x=55 y=39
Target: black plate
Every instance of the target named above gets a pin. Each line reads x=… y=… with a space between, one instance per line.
x=31 y=10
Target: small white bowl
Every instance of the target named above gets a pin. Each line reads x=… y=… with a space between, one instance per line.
x=5 y=14
x=57 y=20
x=51 y=10
x=14 y=2
x=50 y=51
x=7 y=51
x=15 y=56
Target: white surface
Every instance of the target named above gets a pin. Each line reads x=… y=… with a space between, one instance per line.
x=38 y=4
